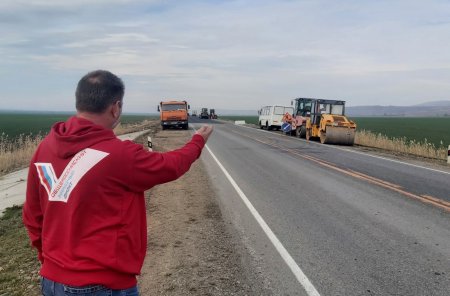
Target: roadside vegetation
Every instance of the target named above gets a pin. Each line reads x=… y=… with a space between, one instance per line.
x=16 y=151
x=125 y=128
x=401 y=145
x=426 y=130
x=19 y=266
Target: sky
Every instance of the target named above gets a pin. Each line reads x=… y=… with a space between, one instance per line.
x=238 y=55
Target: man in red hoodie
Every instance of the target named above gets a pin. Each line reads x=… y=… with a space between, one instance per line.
x=85 y=207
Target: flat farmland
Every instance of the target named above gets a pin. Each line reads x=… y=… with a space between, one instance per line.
x=14 y=124
x=435 y=130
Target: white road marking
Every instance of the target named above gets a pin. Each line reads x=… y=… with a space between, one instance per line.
x=296 y=270
x=352 y=151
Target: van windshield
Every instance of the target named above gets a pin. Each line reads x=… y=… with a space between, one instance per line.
x=289 y=110
x=172 y=107
x=279 y=110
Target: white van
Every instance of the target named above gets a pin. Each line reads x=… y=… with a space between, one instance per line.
x=270 y=116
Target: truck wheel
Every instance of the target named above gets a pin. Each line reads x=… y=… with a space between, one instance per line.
x=301 y=132
x=186 y=126
x=164 y=127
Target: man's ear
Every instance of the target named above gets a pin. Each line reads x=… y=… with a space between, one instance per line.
x=116 y=109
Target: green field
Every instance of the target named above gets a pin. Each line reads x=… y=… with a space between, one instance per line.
x=247 y=118
x=433 y=129
x=14 y=124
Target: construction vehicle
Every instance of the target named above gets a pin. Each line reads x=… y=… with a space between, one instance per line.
x=194 y=113
x=323 y=119
x=204 y=114
x=212 y=114
x=174 y=114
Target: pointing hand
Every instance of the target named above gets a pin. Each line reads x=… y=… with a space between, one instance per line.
x=205 y=131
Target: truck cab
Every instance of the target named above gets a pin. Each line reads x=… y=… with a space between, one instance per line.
x=174 y=114
x=204 y=114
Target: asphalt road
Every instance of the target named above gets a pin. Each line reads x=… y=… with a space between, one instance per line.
x=325 y=220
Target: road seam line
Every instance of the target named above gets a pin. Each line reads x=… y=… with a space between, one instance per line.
x=296 y=270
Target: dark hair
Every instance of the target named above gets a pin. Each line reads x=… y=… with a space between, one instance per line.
x=97 y=90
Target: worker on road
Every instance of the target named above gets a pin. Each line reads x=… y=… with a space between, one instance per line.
x=85 y=208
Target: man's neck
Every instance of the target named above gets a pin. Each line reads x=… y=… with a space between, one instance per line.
x=98 y=119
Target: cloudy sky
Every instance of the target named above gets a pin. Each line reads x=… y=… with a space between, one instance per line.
x=226 y=54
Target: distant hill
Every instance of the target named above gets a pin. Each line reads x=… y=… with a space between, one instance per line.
x=436 y=104
x=428 y=109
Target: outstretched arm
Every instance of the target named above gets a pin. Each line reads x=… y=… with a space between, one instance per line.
x=153 y=168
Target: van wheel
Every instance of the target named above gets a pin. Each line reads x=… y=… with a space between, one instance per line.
x=268 y=127
x=260 y=125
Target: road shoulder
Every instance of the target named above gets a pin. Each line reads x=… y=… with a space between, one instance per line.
x=190 y=251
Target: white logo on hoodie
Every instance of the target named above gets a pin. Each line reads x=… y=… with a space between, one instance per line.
x=59 y=189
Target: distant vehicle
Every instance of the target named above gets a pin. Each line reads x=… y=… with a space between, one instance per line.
x=194 y=113
x=212 y=114
x=270 y=117
x=174 y=114
x=204 y=114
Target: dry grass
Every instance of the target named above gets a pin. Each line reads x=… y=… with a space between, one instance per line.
x=132 y=127
x=16 y=153
x=402 y=145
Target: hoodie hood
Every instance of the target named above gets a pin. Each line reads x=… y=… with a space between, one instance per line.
x=68 y=138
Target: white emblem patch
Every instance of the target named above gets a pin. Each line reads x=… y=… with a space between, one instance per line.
x=59 y=189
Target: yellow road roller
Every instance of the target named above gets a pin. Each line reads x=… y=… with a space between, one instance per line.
x=326 y=120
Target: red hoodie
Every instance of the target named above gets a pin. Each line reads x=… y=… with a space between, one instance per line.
x=85 y=207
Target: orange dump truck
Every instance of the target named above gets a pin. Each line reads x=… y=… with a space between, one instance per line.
x=174 y=114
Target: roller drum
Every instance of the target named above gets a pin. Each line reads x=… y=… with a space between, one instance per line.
x=338 y=135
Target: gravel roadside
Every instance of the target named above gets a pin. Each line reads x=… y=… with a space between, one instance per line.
x=190 y=251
